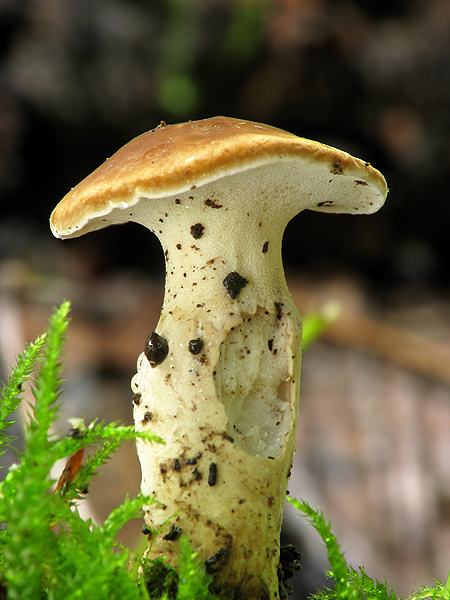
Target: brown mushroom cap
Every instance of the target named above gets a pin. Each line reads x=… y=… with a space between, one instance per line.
x=172 y=159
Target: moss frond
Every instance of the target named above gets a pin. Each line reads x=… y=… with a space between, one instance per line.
x=11 y=391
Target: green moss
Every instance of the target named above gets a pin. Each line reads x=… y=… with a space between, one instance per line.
x=48 y=552
x=351 y=584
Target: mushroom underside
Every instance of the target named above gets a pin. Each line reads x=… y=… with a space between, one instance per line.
x=288 y=183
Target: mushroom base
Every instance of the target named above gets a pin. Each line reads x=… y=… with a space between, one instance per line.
x=234 y=528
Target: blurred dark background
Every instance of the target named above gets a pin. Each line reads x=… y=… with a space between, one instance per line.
x=78 y=79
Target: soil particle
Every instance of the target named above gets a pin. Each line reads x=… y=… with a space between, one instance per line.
x=337 y=168
x=197 y=475
x=197 y=231
x=287 y=567
x=234 y=283
x=75 y=433
x=173 y=534
x=156 y=349
x=212 y=475
x=147 y=417
x=279 y=309
x=195 y=346
x=212 y=203
x=216 y=561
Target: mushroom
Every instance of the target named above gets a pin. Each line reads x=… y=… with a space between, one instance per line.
x=219 y=378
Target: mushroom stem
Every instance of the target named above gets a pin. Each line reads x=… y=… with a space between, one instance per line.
x=225 y=397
